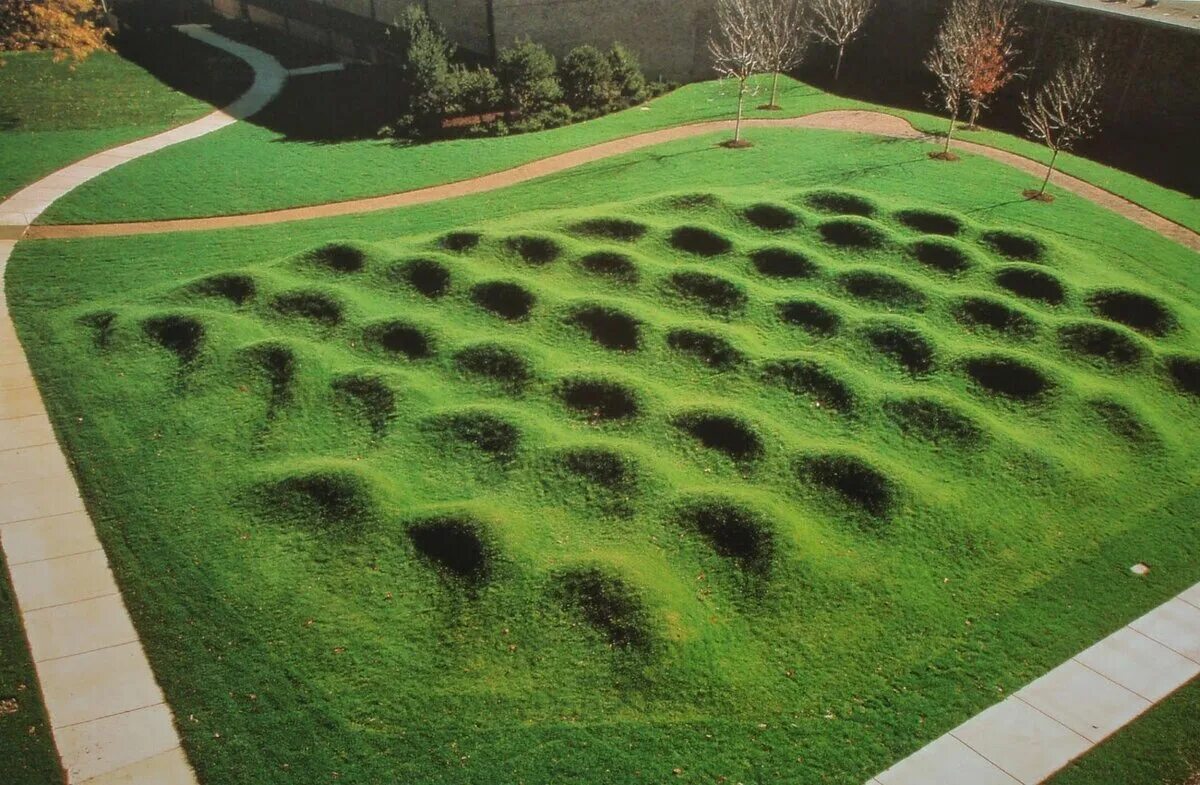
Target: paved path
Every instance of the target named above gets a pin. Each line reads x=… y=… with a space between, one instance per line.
x=877 y=123
x=108 y=716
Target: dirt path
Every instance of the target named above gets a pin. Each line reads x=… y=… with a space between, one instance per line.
x=876 y=123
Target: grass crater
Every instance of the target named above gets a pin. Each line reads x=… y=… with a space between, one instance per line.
x=1032 y=284
x=779 y=262
x=599 y=399
x=707 y=347
x=507 y=299
x=711 y=292
x=726 y=433
x=699 y=240
x=1138 y=311
x=609 y=327
x=733 y=530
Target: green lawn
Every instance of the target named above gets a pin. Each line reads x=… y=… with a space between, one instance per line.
x=53 y=114
x=261 y=169
x=1161 y=748
x=27 y=754
x=812 y=515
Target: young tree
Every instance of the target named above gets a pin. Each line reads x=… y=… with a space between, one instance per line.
x=627 y=73
x=527 y=75
x=784 y=40
x=587 y=79
x=424 y=68
x=1065 y=109
x=69 y=28
x=736 y=49
x=991 y=58
x=948 y=62
x=837 y=22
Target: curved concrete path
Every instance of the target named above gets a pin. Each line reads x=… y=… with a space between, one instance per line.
x=857 y=121
x=109 y=718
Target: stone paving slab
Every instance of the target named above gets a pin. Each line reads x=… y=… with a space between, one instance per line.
x=105 y=746
x=1192 y=595
x=1021 y=740
x=50 y=582
x=1174 y=624
x=1141 y=664
x=945 y=761
x=32 y=463
x=167 y=768
x=14 y=374
x=21 y=402
x=22 y=501
x=28 y=431
x=48 y=538
x=79 y=627
x=96 y=684
x=1086 y=702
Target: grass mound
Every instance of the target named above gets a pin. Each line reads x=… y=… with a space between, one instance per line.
x=505 y=299
x=181 y=335
x=856 y=233
x=811 y=316
x=855 y=481
x=332 y=501
x=338 y=258
x=711 y=292
x=1015 y=245
x=709 y=348
x=1122 y=421
x=501 y=364
x=813 y=379
x=1185 y=373
x=489 y=433
x=313 y=305
x=693 y=201
x=103 y=325
x=599 y=399
x=771 y=217
x=726 y=433
x=882 y=289
x=1133 y=309
x=607 y=603
x=460 y=242
x=400 y=338
x=1032 y=284
x=370 y=396
x=237 y=288
x=731 y=529
x=930 y=222
x=996 y=315
x=608 y=326
x=904 y=345
x=841 y=203
x=534 y=249
x=944 y=256
x=277 y=363
x=611 y=264
x=1008 y=376
x=620 y=229
x=429 y=277
x=933 y=421
x=600 y=467
x=779 y=262
x=699 y=240
x=454 y=546
x=1099 y=342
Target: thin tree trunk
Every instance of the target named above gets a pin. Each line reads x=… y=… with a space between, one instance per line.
x=737 y=126
x=950 y=132
x=837 y=71
x=1049 y=171
x=974 y=114
x=774 y=87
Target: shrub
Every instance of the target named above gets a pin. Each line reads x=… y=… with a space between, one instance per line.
x=473 y=91
x=423 y=64
x=627 y=74
x=526 y=73
x=587 y=79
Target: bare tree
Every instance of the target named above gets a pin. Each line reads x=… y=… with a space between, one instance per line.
x=836 y=22
x=948 y=63
x=784 y=40
x=736 y=49
x=1065 y=109
x=991 y=57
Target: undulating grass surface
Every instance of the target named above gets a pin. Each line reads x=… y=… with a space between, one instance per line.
x=1160 y=748
x=27 y=754
x=53 y=114
x=264 y=169
x=689 y=465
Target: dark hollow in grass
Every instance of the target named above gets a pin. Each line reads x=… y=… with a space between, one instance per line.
x=710 y=349
x=699 y=241
x=783 y=263
x=983 y=312
x=338 y=257
x=722 y=432
x=930 y=222
x=487 y=432
x=237 y=288
x=181 y=335
x=904 y=345
x=401 y=338
x=371 y=396
x=534 y=249
x=811 y=316
x=601 y=467
x=941 y=255
x=505 y=299
x=852 y=233
x=429 y=277
x=311 y=304
x=1132 y=309
x=772 y=217
x=733 y=531
x=1032 y=284
x=1014 y=245
x=1122 y=421
x=277 y=362
x=1100 y=342
x=619 y=229
x=803 y=376
x=933 y=421
x=611 y=264
x=851 y=478
x=709 y=291
x=599 y=399
x=693 y=201
x=881 y=289
x=454 y=546
x=840 y=203
x=1008 y=376
x=1185 y=372
x=609 y=327
x=103 y=324
x=330 y=501
x=460 y=242
x=607 y=604
x=501 y=364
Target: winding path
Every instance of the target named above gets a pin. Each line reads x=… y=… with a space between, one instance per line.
x=109 y=717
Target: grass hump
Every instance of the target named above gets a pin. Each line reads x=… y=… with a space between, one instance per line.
x=1133 y=309
x=454 y=546
x=811 y=316
x=331 y=501
x=1032 y=284
x=724 y=433
x=700 y=241
x=1008 y=377
x=1099 y=342
x=534 y=249
x=371 y=396
x=771 y=217
x=854 y=480
x=338 y=258
x=599 y=399
x=619 y=229
x=1185 y=373
x=609 y=327
x=882 y=289
x=178 y=334
x=313 y=305
x=613 y=265
x=814 y=380
x=501 y=364
x=995 y=315
x=783 y=263
x=934 y=421
x=930 y=222
x=1015 y=245
x=711 y=292
x=708 y=348
x=237 y=288
x=732 y=530
x=505 y=299
x=944 y=256
x=401 y=338
x=858 y=233
x=489 y=433
x=608 y=604
x=428 y=277
x=904 y=345
x=841 y=203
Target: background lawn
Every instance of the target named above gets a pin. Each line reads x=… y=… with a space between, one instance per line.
x=274 y=161
x=288 y=447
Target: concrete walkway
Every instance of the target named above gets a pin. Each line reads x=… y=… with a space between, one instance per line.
x=108 y=716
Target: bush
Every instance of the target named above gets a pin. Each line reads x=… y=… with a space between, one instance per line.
x=587 y=79
x=627 y=75
x=527 y=76
x=473 y=91
x=423 y=63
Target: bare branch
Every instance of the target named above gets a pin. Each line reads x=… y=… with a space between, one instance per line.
x=737 y=47
x=784 y=35
x=1066 y=109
